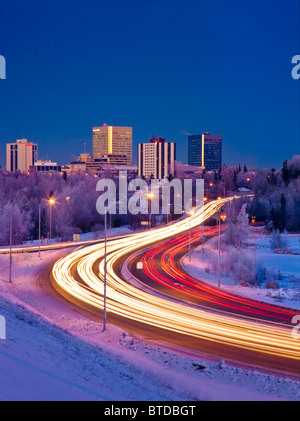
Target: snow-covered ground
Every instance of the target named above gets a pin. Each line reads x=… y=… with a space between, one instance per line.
x=287 y=264
x=88 y=236
x=56 y=351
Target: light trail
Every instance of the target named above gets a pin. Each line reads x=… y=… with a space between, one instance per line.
x=127 y=301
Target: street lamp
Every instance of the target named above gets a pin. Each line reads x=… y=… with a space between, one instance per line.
x=203 y=230
x=105 y=243
x=223 y=218
x=10 y=246
x=51 y=202
x=191 y=213
x=104 y=293
x=149 y=195
x=175 y=206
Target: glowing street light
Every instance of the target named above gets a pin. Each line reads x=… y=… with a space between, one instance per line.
x=105 y=269
x=51 y=202
x=221 y=217
x=150 y=196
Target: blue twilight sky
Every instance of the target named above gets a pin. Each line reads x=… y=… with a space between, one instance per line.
x=168 y=67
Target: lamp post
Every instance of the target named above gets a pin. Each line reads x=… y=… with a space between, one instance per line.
x=10 y=246
x=191 y=214
x=105 y=249
x=223 y=218
x=203 y=235
x=175 y=206
x=104 y=285
x=149 y=195
x=51 y=202
x=39 y=229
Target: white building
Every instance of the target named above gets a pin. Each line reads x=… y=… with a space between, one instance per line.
x=46 y=166
x=21 y=155
x=156 y=159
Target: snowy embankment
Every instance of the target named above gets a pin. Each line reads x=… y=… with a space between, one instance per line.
x=284 y=264
x=55 y=351
x=85 y=237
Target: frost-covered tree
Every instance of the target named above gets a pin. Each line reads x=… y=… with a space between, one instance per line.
x=12 y=214
x=238 y=231
x=278 y=241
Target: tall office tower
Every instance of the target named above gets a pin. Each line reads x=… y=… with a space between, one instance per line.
x=205 y=151
x=112 y=140
x=156 y=158
x=20 y=155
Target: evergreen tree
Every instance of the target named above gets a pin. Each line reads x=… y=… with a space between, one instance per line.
x=235 y=182
x=282 y=213
x=285 y=172
x=273 y=178
x=274 y=217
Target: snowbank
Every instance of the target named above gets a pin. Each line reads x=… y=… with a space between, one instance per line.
x=287 y=264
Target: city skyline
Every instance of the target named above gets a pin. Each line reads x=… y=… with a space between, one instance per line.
x=87 y=145
x=171 y=80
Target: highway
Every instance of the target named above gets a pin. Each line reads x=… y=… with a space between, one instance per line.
x=211 y=329
x=162 y=270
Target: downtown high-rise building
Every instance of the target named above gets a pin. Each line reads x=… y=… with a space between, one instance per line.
x=156 y=159
x=205 y=151
x=21 y=155
x=114 y=142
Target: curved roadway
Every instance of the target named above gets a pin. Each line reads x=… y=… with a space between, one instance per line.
x=79 y=277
